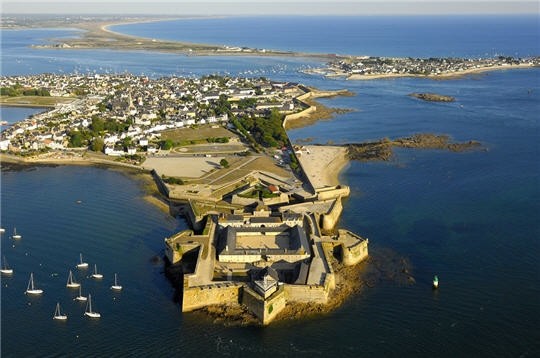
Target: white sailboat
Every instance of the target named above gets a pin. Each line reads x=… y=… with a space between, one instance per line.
x=116 y=286
x=31 y=289
x=82 y=264
x=5 y=268
x=80 y=297
x=96 y=274
x=15 y=235
x=58 y=314
x=70 y=282
x=89 y=311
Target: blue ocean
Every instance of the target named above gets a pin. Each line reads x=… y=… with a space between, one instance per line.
x=472 y=218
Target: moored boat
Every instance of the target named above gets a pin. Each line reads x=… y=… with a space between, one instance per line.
x=58 y=314
x=435 y=282
x=80 y=297
x=89 y=311
x=116 y=286
x=71 y=282
x=15 y=235
x=96 y=274
x=6 y=270
x=81 y=263
x=31 y=289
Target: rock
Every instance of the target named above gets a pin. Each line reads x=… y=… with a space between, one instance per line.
x=433 y=97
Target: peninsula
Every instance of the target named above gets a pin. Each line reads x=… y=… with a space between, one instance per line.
x=367 y=67
x=96 y=34
x=263 y=218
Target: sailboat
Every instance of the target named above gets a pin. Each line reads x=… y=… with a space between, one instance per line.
x=116 y=286
x=70 y=282
x=5 y=268
x=58 y=314
x=80 y=297
x=15 y=235
x=89 y=311
x=82 y=264
x=31 y=289
x=96 y=274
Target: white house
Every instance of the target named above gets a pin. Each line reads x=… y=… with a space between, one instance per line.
x=4 y=144
x=143 y=142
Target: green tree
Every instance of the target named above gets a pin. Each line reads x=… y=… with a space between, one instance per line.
x=98 y=144
x=75 y=139
x=224 y=163
x=167 y=144
x=127 y=142
x=97 y=125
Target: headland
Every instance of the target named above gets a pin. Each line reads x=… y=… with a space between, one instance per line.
x=371 y=68
x=263 y=227
x=264 y=213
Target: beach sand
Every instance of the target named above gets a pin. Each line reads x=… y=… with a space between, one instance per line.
x=444 y=76
x=323 y=164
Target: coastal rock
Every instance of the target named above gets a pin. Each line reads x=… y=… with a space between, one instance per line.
x=433 y=97
x=382 y=149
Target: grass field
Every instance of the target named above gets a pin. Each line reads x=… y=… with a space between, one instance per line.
x=197 y=134
x=34 y=101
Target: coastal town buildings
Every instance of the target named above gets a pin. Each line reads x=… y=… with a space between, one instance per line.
x=130 y=112
x=366 y=66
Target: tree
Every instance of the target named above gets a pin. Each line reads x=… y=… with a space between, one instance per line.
x=127 y=142
x=97 y=125
x=98 y=144
x=75 y=139
x=224 y=163
x=167 y=144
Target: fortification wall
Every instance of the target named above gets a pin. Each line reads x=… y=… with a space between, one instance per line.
x=198 y=297
x=305 y=293
x=333 y=192
x=330 y=219
x=281 y=199
x=267 y=310
x=195 y=221
x=354 y=254
x=305 y=113
x=160 y=183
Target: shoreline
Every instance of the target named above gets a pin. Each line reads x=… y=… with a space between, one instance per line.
x=98 y=35
x=444 y=76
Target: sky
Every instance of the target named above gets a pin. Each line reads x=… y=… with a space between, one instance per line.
x=276 y=7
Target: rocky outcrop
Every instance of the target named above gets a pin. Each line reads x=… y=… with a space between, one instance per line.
x=383 y=149
x=433 y=97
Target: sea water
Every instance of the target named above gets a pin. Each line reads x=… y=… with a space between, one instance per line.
x=471 y=218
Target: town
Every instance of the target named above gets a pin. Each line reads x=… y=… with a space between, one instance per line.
x=367 y=67
x=125 y=114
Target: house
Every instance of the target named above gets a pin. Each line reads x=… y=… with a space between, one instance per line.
x=4 y=144
x=143 y=142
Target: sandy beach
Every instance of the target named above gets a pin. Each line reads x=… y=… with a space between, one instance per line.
x=443 y=76
x=323 y=164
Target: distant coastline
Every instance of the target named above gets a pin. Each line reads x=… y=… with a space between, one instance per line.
x=97 y=34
